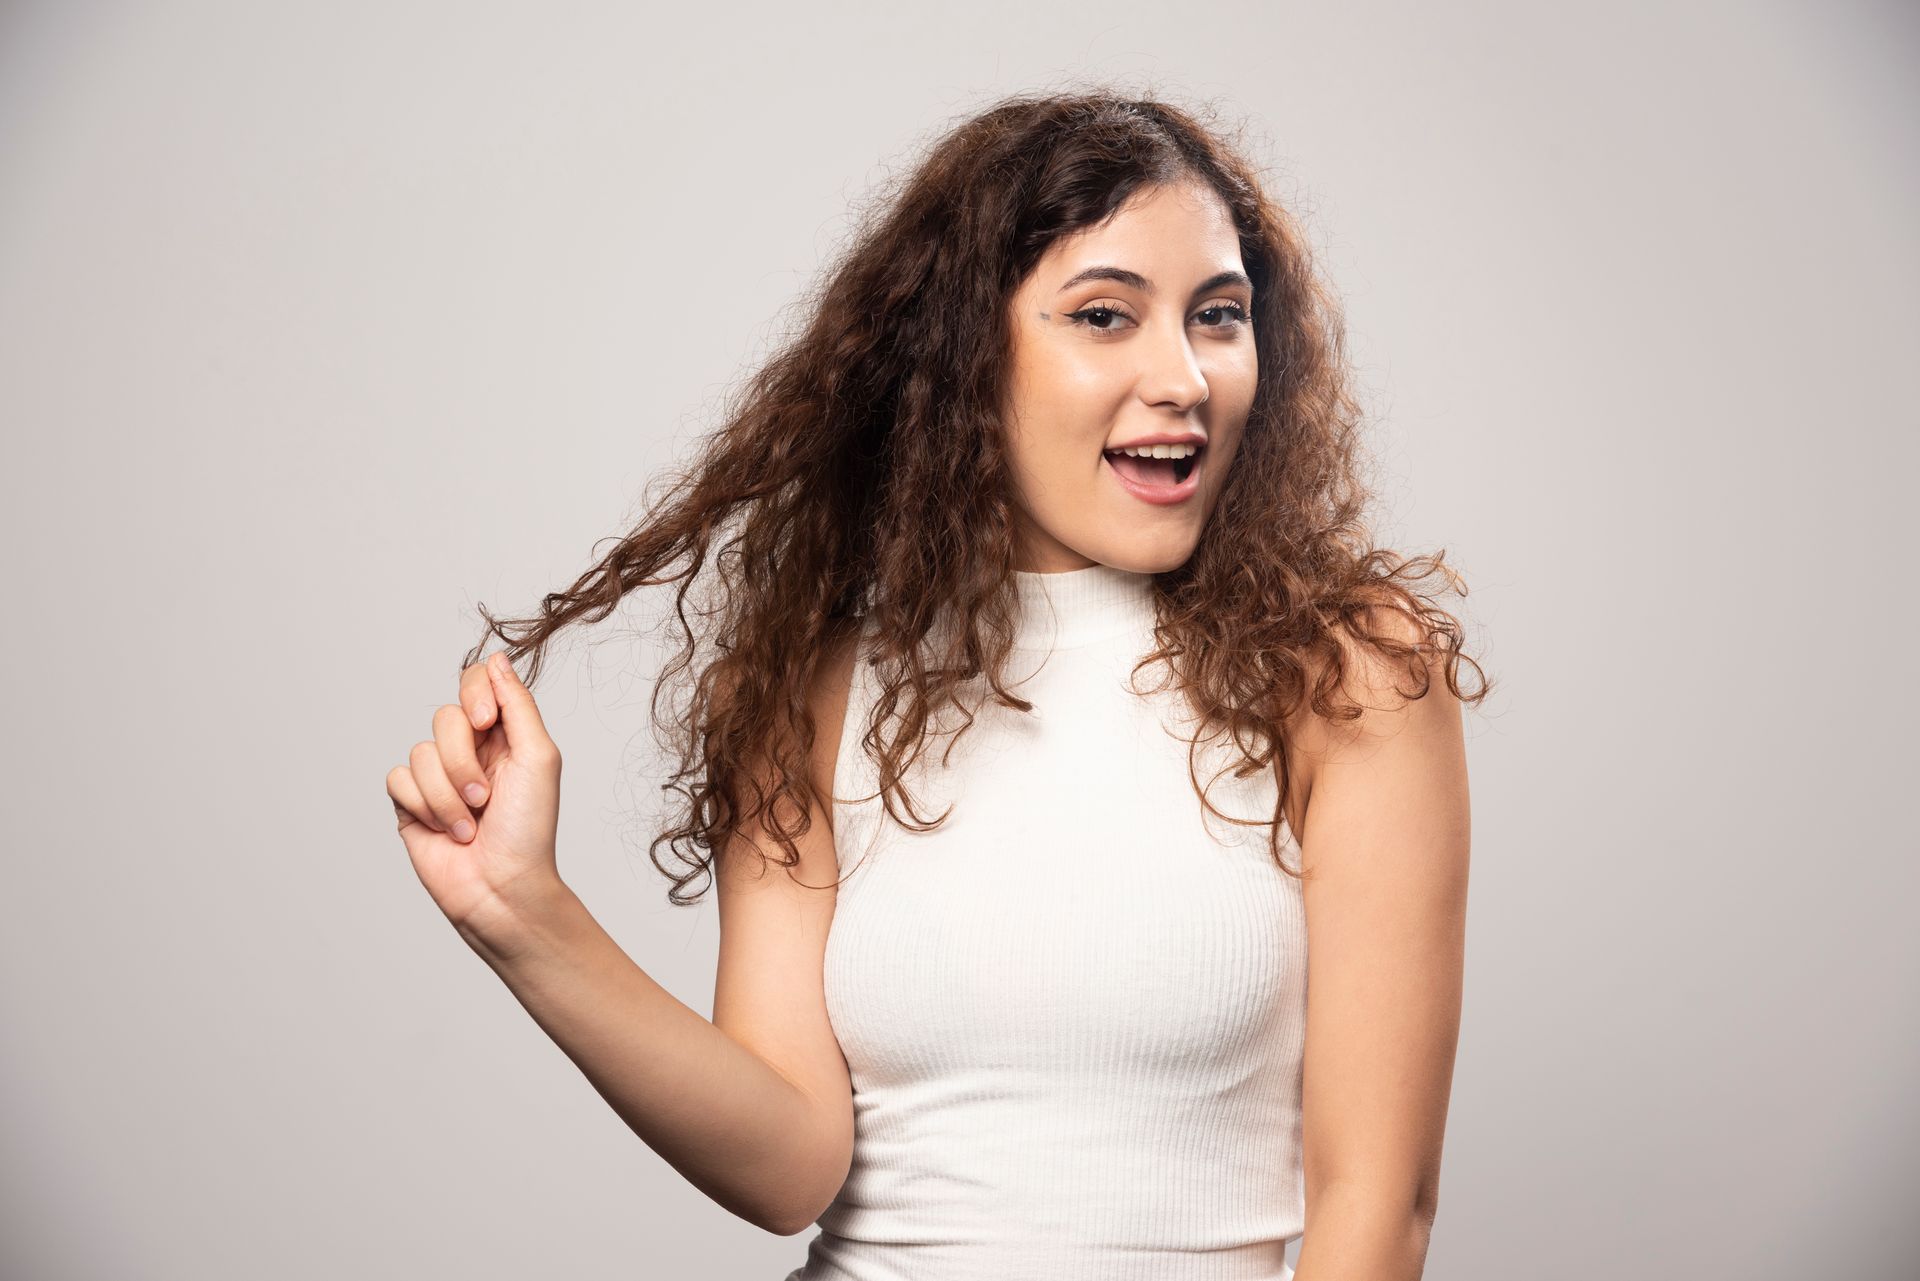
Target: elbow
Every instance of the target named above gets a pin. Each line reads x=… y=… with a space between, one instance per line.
x=1424 y=1206
x=811 y=1185
x=791 y=1220
x=791 y=1225
x=1384 y=1207
x=783 y=1218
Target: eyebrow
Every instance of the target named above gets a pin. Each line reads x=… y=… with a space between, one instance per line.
x=1134 y=280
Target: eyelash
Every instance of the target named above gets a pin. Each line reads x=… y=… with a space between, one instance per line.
x=1080 y=317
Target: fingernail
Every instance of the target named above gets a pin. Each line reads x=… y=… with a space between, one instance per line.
x=463 y=830
x=480 y=714
x=476 y=794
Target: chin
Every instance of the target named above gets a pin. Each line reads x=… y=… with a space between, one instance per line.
x=1147 y=561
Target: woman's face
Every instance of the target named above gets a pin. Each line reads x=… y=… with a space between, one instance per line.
x=1138 y=329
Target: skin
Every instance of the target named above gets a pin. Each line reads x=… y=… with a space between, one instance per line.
x=1383 y=826
x=1379 y=805
x=1166 y=356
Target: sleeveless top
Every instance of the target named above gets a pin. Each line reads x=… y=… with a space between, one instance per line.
x=1073 y=1013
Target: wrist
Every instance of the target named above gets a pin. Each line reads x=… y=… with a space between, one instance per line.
x=511 y=923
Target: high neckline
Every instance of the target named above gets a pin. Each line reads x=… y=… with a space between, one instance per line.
x=1080 y=606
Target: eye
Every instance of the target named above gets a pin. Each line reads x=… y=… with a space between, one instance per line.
x=1101 y=319
x=1237 y=313
x=1085 y=316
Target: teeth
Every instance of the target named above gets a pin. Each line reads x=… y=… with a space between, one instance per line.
x=1159 y=451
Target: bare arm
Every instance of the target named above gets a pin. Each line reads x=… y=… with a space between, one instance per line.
x=1385 y=844
x=714 y=1110
x=754 y=1108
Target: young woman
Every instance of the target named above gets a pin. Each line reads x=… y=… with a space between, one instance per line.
x=1085 y=792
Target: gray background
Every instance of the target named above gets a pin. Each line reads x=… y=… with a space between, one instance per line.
x=320 y=324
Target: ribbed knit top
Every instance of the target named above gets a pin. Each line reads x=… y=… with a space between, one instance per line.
x=1074 y=1012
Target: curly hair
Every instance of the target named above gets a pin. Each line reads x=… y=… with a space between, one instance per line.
x=860 y=478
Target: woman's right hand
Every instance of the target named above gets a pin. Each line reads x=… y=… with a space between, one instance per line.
x=479 y=803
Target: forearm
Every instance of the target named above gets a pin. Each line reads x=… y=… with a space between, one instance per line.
x=715 y=1111
x=1356 y=1234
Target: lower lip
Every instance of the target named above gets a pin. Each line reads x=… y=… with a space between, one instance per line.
x=1161 y=495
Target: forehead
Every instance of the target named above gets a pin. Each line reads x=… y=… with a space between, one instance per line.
x=1184 y=226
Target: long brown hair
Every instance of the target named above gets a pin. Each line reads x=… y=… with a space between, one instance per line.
x=860 y=477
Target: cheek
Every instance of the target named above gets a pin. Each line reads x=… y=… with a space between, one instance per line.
x=1056 y=463
x=1087 y=378
x=1235 y=373
x=1073 y=380
x=1061 y=419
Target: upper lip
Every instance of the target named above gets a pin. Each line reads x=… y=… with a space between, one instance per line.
x=1163 y=438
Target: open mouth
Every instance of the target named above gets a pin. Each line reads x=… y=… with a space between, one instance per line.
x=1154 y=473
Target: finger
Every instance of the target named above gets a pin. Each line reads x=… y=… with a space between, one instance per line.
x=476 y=695
x=409 y=806
x=453 y=733
x=444 y=803
x=526 y=732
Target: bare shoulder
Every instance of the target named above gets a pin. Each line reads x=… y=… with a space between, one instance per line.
x=827 y=697
x=1387 y=688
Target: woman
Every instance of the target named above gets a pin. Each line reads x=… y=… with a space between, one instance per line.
x=1060 y=1028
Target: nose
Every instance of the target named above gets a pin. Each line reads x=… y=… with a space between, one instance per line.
x=1173 y=377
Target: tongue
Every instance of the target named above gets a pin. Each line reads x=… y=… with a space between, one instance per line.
x=1146 y=471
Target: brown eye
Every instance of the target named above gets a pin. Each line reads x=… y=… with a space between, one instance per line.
x=1085 y=316
x=1237 y=315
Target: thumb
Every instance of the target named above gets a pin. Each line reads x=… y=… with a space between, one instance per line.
x=519 y=717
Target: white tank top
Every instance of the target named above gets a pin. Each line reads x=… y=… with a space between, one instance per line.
x=1074 y=1013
